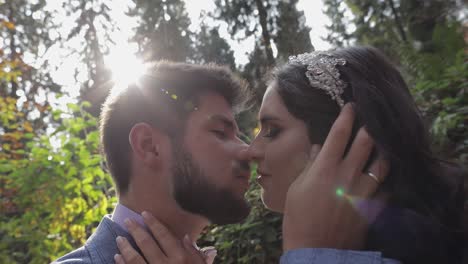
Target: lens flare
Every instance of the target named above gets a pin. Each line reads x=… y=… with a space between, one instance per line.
x=125 y=67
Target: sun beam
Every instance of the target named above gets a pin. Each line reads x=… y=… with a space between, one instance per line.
x=125 y=67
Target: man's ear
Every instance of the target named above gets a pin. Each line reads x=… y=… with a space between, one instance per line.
x=145 y=142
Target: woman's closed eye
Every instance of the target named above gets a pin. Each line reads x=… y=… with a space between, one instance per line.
x=270 y=131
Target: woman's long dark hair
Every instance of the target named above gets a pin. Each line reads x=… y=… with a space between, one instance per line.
x=423 y=216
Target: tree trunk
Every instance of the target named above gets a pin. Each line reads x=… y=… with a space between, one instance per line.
x=398 y=23
x=265 y=33
x=13 y=55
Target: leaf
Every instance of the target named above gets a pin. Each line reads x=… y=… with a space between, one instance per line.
x=4 y=168
x=73 y=107
x=8 y=25
x=27 y=127
x=28 y=135
x=20 y=151
x=85 y=104
x=6 y=147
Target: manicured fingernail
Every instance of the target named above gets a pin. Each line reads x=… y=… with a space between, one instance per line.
x=315 y=148
x=208 y=248
x=118 y=258
x=145 y=215
x=187 y=241
x=119 y=240
x=211 y=253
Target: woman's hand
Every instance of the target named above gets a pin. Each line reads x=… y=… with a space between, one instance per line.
x=164 y=248
x=321 y=204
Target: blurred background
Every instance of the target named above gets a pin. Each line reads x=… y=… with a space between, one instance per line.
x=59 y=59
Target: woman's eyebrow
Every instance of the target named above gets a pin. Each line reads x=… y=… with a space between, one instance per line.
x=266 y=118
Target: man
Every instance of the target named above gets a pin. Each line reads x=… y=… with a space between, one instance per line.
x=172 y=147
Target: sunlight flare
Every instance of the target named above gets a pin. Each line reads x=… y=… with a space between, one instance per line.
x=125 y=67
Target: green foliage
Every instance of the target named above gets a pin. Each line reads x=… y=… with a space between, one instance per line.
x=256 y=240
x=22 y=35
x=269 y=22
x=426 y=41
x=162 y=31
x=211 y=47
x=57 y=191
x=91 y=16
x=447 y=42
x=445 y=101
x=292 y=36
x=338 y=35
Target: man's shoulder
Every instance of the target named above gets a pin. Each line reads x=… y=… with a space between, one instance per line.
x=99 y=248
x=78 y=256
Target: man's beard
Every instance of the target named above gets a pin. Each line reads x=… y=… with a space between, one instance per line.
x=194 y=193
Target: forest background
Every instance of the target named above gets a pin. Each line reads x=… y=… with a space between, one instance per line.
x=53 y=186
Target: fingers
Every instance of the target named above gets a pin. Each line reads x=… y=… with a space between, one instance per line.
x=314 y=151
x=144 y=241
x=210 y=254
x=357 y=156
x=192 y=250
x=365 y=186
x=380 y=168
x=166 y=249
x=119 y=259
x=338 y=137
x=129 y=254
x=169 y=244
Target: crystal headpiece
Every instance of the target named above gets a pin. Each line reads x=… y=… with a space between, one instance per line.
x=322 y=73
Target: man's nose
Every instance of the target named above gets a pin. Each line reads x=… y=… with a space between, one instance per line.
x=243 y=153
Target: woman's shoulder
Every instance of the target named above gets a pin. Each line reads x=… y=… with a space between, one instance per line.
x=411 y=237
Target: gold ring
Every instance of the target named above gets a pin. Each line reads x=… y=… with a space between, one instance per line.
x=372 y=175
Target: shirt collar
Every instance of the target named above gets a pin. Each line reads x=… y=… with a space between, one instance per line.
x=121 y=212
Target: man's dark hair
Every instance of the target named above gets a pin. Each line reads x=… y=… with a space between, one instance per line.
x=163 y=98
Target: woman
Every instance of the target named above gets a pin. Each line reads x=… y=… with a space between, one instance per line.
x=416 y=212
x=422 y=197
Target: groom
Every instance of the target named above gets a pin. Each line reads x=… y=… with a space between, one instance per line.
x=172 y=147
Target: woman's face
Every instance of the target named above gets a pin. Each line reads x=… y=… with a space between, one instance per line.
x=281 y=149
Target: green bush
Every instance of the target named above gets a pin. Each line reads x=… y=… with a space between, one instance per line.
x=57 y=191
x=444 y=101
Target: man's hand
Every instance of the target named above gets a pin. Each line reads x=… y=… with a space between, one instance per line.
x=320 y=209
x=167 y=249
